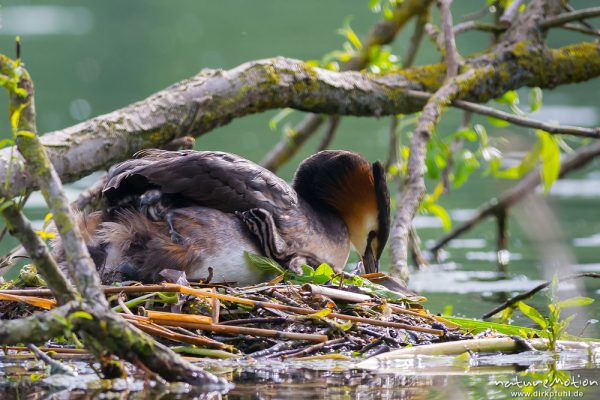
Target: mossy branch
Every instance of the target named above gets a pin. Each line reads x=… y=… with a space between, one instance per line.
x=414 y=185
x=21 y=228
x=214 y=97
x=37 y=328
x=103 y=331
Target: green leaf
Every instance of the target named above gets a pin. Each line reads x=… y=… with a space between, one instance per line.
x=511 y=97
x=498 y=123
x=15 y=116
x=476 y=327
x=550 y=156
x=535 y=99
x=448 y=309
x=349 y=34
x=375 y=5
x=433 y=172
x=263 y=263
x=81 y=314
x=467 y=133
x=516 y=172
x=441 y=213
x=320 y=314
x=325 y=269
x=196 y=351
x=307 y=270
x=279 y=117
x=27 y=134
x=6 y=143
x=483 y=136
x=577 y=301
x=388 y=13
x=464 y=165
x=5 y=204
x=533 y=314
x=323 y=274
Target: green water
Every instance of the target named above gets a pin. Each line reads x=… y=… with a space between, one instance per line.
x=89 y=57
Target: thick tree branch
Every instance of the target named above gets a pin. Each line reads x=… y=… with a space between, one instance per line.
x=215 y=97
x=570 y=163
x=37 y=328
x=103 y=330
x=414 y=186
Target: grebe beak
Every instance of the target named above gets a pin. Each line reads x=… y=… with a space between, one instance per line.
x=369 y=262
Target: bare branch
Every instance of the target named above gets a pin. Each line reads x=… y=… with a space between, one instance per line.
x=334 y=122
x=569 y=7
x=452 y=57
x=516 y=119
x=291 y=142
x=414 y=187
x=570 y=163
x=525 y=295
x=580 y=29
x=477 y=26
x=478 y=14
x=434 y=35
x=510 y=13
x=571 y=16
x=416 y=38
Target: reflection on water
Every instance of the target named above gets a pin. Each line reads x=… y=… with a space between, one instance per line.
x=46 y=20
x=576 y=188
x=568 y=115
x=590 y=241
x=482 y=376
x=434 y=279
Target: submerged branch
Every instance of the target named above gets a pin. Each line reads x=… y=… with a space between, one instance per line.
x=525 y=295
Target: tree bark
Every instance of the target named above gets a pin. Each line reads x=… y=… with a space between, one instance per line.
x=214 y=97
x=104 y=332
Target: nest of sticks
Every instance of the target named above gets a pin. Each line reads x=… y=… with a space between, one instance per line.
x=335 y=319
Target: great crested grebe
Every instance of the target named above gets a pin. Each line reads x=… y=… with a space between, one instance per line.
x=191 y=210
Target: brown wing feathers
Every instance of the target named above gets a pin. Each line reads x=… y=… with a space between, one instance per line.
x=213 y=179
